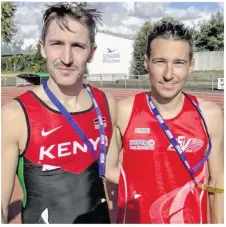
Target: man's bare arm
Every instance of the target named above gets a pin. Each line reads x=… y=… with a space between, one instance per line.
x=123 y=111
x=112 y=160
x=214 y=118
x=11 y=121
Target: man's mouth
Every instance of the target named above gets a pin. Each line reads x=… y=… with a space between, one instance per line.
x=66 y=69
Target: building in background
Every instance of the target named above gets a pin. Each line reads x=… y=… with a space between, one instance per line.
x=113 y=54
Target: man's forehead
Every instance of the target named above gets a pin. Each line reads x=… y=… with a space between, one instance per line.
x=59 y=27
x=169 y=42
x=163 y=46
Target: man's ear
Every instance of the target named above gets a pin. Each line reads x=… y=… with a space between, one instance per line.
x=146 y=62
x=93 y=50
x=42 y=49
x=192 y=65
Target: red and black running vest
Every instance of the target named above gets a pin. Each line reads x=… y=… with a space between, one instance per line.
x=154 y=186
x=58 y=173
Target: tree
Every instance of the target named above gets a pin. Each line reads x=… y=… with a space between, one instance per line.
x=38 y=62
x=209 y=34
x=139 y=47
x=8 y=26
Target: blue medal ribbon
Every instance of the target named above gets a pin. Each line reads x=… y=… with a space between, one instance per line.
x=79 y=131
x=174 y=142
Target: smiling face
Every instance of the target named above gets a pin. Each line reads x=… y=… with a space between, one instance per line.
x=168 y=65
x=67 y=52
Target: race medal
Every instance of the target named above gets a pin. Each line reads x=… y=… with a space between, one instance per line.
x=210 y=188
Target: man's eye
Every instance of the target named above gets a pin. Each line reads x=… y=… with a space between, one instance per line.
x=180 y=63
x=55 y=44
x=77 y=45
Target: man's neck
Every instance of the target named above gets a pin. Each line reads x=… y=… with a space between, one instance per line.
x=66 y=94
x=168 y=108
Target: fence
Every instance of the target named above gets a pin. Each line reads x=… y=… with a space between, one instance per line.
x=209 y=60
x=198 y=80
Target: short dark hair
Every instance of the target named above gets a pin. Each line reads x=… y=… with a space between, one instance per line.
x=174 y=30
x=78 y=11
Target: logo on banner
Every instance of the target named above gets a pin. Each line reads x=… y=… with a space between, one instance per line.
x=111 y=56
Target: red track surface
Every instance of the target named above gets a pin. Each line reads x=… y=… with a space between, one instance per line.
x=10 y=92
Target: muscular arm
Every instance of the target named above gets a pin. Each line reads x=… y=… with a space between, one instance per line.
x=214 y=118
x=10 y=153
x=114 y=158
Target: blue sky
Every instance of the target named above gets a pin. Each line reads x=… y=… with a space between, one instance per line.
x=118 y=17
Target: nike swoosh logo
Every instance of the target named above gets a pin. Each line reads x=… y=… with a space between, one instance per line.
x=136 y=196
x=49 y=167
x=46 y=133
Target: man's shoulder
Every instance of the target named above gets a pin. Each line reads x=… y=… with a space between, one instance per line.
x=210 y=109
x=12 y=110
x=213 y=115
x=105 y=93
x=126 y=102
x=129 y=101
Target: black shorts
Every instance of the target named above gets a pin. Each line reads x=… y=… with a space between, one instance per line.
x=96 y=216
x=61 y=197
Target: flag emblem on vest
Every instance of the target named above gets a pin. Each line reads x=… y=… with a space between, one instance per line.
x=97 y=123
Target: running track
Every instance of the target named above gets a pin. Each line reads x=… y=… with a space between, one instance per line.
x=10 y=92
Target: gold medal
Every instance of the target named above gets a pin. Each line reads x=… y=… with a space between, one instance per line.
x=210 y=188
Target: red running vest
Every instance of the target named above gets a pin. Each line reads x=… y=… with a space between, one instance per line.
x=154 y=186
x=53 y=143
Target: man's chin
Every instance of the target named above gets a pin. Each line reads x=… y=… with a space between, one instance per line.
x=168 y=95
x=68 y=81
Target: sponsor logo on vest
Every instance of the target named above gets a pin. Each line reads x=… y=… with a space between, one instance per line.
x=142 y=130
x=46 y=133
x=142 y=144
x=187 y=145
x=67 y=148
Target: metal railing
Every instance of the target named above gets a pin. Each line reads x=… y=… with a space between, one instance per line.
x=194 y=82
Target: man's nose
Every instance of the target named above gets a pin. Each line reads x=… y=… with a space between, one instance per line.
x=168 y=74
x=67 y=56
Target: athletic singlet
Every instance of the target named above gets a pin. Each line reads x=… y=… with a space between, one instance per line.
x=154 y=186
x=58 y=174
